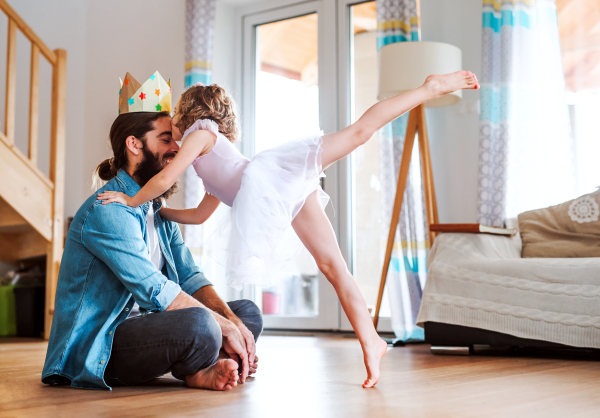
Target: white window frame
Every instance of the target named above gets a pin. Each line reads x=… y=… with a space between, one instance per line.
x=345 y=82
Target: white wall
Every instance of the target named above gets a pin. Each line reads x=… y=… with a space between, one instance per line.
x=139 y=36
x=454 y=136
x=105 y=39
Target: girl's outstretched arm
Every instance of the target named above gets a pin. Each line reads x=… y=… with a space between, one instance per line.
x=197 y=143
x=195 y=216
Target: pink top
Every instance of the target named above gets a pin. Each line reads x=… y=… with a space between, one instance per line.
x=220 y=169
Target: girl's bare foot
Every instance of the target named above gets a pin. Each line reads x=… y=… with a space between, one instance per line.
x=223 y=375
x=372 y=355
x=438 y=85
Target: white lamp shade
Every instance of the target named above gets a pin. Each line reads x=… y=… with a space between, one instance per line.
x=404 y=66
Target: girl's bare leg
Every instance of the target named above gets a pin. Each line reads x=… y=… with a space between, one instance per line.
x=315 y=232
x=339 y=144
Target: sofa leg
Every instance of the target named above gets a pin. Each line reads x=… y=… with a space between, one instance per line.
x=450 y=350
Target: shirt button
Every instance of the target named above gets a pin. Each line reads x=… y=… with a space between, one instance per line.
x=102 y=362
x=126 y=309
x=109 y=332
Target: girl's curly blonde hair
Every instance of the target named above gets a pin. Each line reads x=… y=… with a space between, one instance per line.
x=208 y=102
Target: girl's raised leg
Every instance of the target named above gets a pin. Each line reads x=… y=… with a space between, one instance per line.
x=316 y=233
x=339 y=144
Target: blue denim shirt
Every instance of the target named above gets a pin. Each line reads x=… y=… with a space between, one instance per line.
x=105 y=268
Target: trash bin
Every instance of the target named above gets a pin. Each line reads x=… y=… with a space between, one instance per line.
x=8 y=322
x=30 y=303
x=30 y=297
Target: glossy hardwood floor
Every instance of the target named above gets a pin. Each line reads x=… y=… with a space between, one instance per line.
x=320 y=377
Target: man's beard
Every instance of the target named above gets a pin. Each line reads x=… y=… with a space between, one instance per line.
x=150 y=166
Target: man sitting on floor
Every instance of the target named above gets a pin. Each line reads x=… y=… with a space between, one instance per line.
x=115 y=256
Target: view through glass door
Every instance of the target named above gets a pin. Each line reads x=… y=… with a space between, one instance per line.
x=284 y=105
x=359 y=77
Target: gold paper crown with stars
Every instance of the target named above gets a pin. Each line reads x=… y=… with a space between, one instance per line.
x=152 y=96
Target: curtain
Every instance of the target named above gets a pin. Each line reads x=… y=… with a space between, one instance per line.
x=398 y=21
x=525 y=150
x=199 y=34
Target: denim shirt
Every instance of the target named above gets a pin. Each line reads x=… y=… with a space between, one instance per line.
x=105 y=268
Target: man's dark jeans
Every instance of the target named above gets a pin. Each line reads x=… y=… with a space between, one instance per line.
x=181 y=342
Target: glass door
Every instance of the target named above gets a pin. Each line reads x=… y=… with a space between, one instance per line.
x=358 y=77
x=281 y=102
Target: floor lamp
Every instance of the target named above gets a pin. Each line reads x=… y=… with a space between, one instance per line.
x=404 y=66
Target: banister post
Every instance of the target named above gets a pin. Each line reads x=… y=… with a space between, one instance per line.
x=57 y=176
x=11 y=82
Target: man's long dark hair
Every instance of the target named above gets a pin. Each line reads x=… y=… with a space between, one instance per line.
x=136 y=124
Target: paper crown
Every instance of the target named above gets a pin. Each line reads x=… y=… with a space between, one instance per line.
x=152 y=96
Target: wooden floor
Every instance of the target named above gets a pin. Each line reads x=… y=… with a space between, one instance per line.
x=320 y=377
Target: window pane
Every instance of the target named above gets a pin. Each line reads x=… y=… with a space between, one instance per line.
x=579 y=23
x=369 y=238
x=287 y=107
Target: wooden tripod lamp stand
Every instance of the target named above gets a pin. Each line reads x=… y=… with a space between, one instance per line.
x=404 y=66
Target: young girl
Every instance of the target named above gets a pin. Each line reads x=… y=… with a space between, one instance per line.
x=278 y=188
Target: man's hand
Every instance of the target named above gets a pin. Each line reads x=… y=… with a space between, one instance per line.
x=253 y=366
x=234 y=344
x=209 y=297
x=248 y=338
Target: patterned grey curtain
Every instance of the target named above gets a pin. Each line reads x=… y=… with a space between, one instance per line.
x=199 y=39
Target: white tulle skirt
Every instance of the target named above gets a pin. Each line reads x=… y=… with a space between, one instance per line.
x=255 y=239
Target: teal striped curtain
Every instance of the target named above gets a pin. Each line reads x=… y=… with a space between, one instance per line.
x=398 y=21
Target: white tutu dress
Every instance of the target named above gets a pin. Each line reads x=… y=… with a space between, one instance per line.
x=265 y=195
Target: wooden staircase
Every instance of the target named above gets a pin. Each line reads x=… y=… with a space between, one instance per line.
x=31 y=204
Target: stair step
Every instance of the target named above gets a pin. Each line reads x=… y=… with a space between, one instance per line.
x=18 y=239
x=26 y=193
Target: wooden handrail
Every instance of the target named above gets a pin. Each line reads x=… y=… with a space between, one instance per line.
x=30 y=34
x=57 y=176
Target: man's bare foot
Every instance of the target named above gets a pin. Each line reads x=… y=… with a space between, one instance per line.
x=438 y=85
x=223 y=375
x=372 y=355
